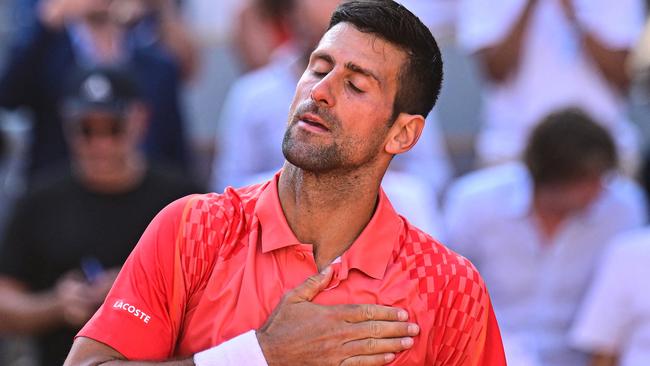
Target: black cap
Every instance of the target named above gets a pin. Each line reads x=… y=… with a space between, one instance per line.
x=106 y=89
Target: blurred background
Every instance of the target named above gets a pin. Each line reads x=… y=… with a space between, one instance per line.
x=216 y=79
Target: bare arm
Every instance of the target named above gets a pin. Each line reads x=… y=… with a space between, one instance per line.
x=502 y=60
x=70 y=303
x=610 y=62
x=177 y=38
x=25 y=313
x=88 y=352
x=603 y=360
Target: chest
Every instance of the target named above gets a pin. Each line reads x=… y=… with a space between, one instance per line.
x=103 y=228
x=243 y=291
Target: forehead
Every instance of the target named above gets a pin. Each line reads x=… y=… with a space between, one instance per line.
x=345 y=43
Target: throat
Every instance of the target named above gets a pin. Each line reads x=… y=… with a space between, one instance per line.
x=327 y=213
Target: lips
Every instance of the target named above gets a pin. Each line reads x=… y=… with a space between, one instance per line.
x=313 y=121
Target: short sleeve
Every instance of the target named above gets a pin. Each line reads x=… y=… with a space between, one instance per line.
x=600 y=324
x=482 y=23
x=467 y=331
x=618 y=24
x=142 y=314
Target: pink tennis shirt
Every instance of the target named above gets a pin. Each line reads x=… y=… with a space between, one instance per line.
x=211 y=267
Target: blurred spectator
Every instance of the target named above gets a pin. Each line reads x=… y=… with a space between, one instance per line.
x=68 y=237
x=64 y=34
x=259 y=30
x=543 y=55
x=614 y=322
x=256 y=110
x=535 y=230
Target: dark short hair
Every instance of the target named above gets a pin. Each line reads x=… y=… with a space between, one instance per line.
x=420 y=78
x=568 y=145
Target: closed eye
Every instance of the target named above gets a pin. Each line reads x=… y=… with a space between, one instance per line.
x=354 y=87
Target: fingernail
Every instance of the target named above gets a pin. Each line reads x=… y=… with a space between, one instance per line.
x=402 y=315
x=414 y=329
x=389 y=357
x=326 y=271
x=407 y=342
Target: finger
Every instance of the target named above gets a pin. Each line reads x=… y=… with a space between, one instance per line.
x=374 y=346
x=307 y=290
x=381 y=329
x=371 y=360
x=365 y=312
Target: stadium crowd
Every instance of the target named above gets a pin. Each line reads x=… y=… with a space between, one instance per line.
x=535 y=164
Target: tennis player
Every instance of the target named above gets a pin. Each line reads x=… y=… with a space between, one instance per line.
x=261 y=275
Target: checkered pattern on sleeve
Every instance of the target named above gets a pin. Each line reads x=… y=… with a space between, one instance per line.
x=454 y=291
x=214 y=229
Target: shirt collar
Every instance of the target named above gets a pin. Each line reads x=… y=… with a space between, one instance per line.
x=369 y=253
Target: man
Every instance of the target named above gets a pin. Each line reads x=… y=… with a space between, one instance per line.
x=211 y=269
x=614 y=321
x=67 y=34
x=69 y=236
x=535 y=230
x=250 y=125
x=539 y=56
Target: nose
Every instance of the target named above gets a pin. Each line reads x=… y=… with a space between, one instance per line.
x=322 y=93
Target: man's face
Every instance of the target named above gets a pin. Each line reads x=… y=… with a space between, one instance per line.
x=101 y=142
x=570 y=197
x=340 y=114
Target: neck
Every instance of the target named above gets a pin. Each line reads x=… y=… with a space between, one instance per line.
x=328 y=210
x=112 y=181
x=549 y=221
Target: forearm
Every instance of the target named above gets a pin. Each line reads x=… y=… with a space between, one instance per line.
x=503 y=59
x=241 y=350
x=603 y=360
x=26 y=313
x=611 y=63
x=178 y=40
x=185 y=362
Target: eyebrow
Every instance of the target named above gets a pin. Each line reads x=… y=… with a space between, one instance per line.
x=349 y=65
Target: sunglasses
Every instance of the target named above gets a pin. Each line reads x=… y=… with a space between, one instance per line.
x=109 y=127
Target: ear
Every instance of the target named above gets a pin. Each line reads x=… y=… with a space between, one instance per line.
x=404 y=133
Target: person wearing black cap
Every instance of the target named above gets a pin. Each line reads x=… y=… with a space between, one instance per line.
x=68 y=236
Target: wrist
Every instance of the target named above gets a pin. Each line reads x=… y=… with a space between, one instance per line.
x=263 y=343
x=241 y=350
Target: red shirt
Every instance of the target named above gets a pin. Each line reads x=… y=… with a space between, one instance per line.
x=211 y=267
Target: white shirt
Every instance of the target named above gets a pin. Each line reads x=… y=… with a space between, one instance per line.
x=252 y=126
x=615 y=316
x=555 y=72
x=535 y=285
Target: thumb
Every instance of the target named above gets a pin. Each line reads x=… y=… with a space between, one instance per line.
x=307 y=290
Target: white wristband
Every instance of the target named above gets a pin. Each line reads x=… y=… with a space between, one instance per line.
x=241 y=350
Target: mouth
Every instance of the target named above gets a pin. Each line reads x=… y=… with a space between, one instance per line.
x=312 y=122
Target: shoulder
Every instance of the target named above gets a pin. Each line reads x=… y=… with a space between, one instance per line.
x=219 y=220
x=440 y=271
